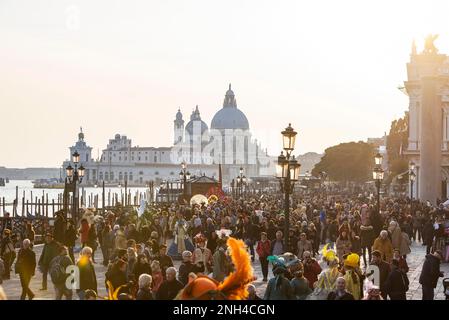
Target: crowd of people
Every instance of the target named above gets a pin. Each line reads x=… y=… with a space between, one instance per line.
x=334 y=240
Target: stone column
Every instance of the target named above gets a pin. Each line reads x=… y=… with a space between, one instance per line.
x=431 y=139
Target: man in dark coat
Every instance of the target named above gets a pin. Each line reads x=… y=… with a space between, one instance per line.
x=384 y=270
x=430 y=274
x=249 y=235
x=397 y=282
x=133 y=233
x=59 y=227
x=50 y=250
x=165 y=261
x=156 y=226
x=340 y=292
x=170 y=288
x=186 y=267
x=70 y=238
x=428 y=234
x=88 y=279
x=25 y=267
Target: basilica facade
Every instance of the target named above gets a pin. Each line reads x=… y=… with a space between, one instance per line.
x=227 y=142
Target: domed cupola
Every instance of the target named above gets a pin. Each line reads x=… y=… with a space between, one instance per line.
x=179 y=115
x=230 y=117
x=196 y=122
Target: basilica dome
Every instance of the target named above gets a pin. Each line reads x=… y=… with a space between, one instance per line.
x=229 y=117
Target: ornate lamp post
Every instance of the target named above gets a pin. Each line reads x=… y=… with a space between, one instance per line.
x=241 y=182
x=378 y=176
x=74 y=175
x=287 y=171
x=412 y=177
x=184 y=175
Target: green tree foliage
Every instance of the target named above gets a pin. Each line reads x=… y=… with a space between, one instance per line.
x=352 y=161
x=397 y=142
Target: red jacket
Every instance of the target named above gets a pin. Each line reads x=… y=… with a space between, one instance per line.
x=311 y=272
x=84 y=232
x=263 y=248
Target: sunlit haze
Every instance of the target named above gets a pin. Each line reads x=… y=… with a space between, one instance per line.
x=331 y=68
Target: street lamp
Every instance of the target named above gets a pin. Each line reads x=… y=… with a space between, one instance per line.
x=241 y=181
x=412 y=177
x=184 y=175
x=378 y=159
x=287 y=171
x=378 y=176
x=74 y=175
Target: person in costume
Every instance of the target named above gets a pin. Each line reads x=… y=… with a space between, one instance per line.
x=182 y=241
x=300 y=284
x=352 y=276
x=327 y=279
x=202 y=256
x=279 y=287
x=234 y=287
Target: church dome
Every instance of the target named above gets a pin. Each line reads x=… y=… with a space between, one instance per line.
x=179 y=115
x=196 y=122
x=229 y=117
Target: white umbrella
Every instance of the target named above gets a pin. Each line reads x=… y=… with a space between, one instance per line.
x=198 y=199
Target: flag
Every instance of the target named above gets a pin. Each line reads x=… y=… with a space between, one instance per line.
x=141 y=208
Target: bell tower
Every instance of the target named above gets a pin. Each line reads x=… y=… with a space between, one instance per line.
x=178 y=128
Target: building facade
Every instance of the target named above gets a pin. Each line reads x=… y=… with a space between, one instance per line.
x=427 y=86
x=228 y=142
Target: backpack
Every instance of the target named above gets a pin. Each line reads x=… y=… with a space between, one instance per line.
x=57 y=270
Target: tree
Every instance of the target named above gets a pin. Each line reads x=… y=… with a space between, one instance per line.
x=352 y=161
x=397 y=142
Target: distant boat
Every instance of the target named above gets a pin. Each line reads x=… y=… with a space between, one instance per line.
x=48 y=184
x=2 y=182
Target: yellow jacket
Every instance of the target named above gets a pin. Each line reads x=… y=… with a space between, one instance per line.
x=384 y=247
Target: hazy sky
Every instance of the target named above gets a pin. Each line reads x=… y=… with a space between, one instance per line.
x=331 y=68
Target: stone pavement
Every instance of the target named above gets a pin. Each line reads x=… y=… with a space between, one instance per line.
x=415 y=260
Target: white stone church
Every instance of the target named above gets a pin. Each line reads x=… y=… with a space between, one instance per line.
x=227 y=141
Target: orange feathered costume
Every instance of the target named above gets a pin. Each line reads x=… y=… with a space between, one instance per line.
x=231 y=288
